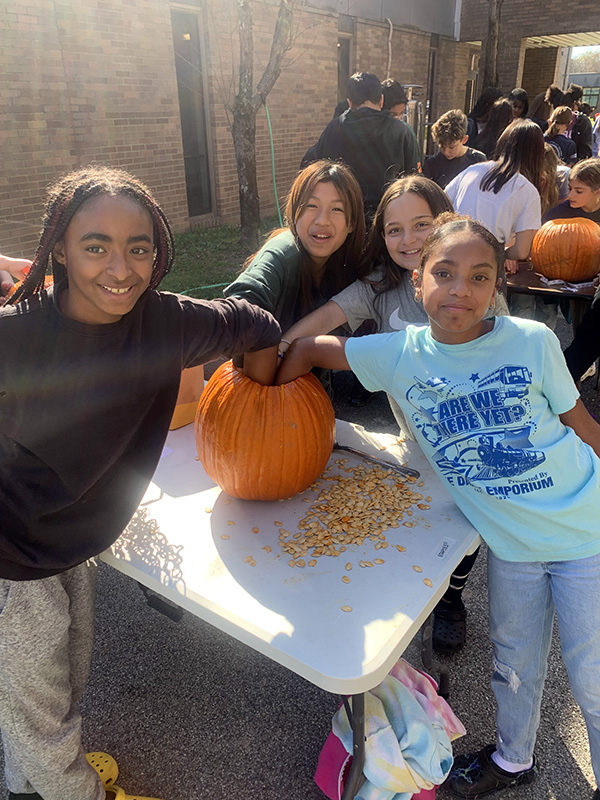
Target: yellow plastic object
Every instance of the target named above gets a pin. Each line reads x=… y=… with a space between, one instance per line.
x=190 y=389
x=105 y=766
x=116 y=793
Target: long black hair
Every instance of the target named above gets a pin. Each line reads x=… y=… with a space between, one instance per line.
x=520 y=149
x=66 y=197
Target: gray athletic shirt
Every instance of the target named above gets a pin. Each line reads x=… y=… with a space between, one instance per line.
x=393 y=311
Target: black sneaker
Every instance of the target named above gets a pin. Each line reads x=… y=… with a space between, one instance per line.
x=477 y=775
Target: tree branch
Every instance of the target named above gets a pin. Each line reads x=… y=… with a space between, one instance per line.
x=282 y=41
x=246 y=68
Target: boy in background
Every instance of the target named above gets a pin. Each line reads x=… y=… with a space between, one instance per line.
x=450 y=135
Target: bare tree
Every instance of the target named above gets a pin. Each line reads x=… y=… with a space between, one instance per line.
x=246 y=104
x=588 y=61
x=490 y=66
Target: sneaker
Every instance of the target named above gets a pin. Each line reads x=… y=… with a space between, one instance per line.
x=477 y=775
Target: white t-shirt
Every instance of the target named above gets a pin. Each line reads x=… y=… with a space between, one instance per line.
x=486 y=415
x=515 y=208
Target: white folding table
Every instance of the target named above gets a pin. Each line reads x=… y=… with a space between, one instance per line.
x=219 y=558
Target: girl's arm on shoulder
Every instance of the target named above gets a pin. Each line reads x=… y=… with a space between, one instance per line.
x=15 y=266
x=585 y=426
x=324 y=319
x=317 y=351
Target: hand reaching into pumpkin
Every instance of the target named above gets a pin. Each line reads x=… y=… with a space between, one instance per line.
x=261 y=365
x=312 y=351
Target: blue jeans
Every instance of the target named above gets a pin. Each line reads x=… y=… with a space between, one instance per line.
x=523 y=598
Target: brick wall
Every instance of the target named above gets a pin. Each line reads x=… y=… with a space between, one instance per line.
x=454 y=62
x=539 y=69
x=82 y=81
x=94 y=80
x=410 y=51
x=523 y=18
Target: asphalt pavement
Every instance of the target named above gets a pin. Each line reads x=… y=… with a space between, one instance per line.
x=191 y=714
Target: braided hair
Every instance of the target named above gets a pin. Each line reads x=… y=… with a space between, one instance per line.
x=66 y=197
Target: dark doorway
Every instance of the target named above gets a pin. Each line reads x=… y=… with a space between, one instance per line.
x=192 y=106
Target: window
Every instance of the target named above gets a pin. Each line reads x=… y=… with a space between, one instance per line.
x=192 y=107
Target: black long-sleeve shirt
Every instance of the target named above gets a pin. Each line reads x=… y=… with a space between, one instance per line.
x=85 y=411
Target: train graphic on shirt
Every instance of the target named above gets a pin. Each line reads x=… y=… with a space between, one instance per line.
x=480 y=430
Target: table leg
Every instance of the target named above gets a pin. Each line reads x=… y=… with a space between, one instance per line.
x=356 y=716
x=431 y=666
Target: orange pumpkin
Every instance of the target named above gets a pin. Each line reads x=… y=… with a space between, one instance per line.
x=567 y=249
x=263 y=442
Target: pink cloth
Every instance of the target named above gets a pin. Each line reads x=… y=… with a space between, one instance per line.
x=335 y=760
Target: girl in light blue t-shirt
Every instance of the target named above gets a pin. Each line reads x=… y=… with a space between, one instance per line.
x=499 y=418
x=403 y=221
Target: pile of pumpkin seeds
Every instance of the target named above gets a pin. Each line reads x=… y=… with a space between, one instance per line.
x=356 y=505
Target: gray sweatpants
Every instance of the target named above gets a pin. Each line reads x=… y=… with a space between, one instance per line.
x=46 y=632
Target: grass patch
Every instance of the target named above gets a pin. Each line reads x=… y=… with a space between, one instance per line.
x=208 y=256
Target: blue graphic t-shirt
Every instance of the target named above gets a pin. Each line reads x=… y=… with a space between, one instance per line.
x=486 y=415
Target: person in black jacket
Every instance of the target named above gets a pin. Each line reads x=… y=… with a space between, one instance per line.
x=377 y=148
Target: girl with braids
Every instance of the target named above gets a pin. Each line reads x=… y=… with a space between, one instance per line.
x=89 y=379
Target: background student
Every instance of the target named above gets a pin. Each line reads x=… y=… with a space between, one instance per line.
x=377 y=147
x=504 y=194
x=558 y=124
x=500 y=116
x=449 y=133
